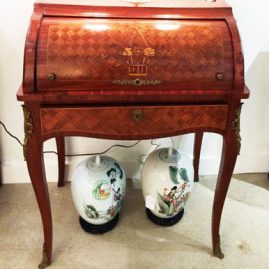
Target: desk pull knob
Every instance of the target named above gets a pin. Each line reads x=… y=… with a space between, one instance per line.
x=219 y=76
x=137 y=115
x=52 y=76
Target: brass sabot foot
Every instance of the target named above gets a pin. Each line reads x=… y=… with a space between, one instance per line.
x=45 y=260
x=217 y=251
x=44 y=263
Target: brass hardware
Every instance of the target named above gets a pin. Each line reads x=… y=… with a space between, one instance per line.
x=217 y=251
x=52 y=76
x=45 y=260
x=28 y=129
x=219 y=76
x=236 y=128
x=137 y=115
x=137 y=82
x=138 y=1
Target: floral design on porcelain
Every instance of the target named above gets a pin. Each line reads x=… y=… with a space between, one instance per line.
x=92 y=213
x=166 y=157
x=102 y=191
x=112 y=173
x=172 y=202
x=174 y=172
x=167 y=180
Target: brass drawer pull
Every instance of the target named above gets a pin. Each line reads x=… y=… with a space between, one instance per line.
x=52 y=76
x=137 y=115
x=219 y=76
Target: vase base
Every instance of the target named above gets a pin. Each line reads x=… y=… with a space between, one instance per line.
x=165 y=221
x=98 y=229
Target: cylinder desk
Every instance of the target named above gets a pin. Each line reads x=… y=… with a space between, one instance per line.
x=120 y=70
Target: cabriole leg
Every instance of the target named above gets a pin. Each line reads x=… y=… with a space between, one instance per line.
x=198 y=138
x=61 y=159
x=33 y=153
x=231 y=148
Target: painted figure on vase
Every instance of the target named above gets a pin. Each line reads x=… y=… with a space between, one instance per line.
x=98 y=187
x=173 y=201
x=167 y=180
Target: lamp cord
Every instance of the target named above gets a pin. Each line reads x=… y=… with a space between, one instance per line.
x=10 y=134
x=71 y=155
x=156 y=147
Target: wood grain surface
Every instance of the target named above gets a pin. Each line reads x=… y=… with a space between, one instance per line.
x=155 y=3
x=93 y=53
x=119 y=122
x=75 y=53
x=209 y=44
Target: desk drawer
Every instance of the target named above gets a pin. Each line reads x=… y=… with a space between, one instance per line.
x=137 y=122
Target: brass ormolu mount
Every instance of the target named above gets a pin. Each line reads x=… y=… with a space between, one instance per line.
x=28 y=129
x=137 y=82
x=236 y=128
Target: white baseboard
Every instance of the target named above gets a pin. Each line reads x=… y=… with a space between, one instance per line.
x=254 y=163
x=16 y=172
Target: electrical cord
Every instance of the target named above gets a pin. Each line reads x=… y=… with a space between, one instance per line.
x=10 y=134
x=105 y=151
x=156 y=147
x=71 y=155
x=154 y=144
x=144 y=155
x=89 y=154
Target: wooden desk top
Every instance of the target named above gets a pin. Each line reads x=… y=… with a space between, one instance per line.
x=155 y=3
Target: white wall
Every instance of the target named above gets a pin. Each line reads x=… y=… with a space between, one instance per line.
x=253 y=23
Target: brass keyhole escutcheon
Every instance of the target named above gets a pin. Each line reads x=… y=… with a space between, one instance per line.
x=137 y=82
x=52 y=76
x=137 y=115
x=219 y=76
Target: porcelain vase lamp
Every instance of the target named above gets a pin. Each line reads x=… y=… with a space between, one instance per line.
x=167 y=180
x=98 y=187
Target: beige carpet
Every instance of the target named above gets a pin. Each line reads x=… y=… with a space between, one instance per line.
x=136 y=242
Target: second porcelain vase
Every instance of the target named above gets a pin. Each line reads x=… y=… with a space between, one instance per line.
x=167 y=181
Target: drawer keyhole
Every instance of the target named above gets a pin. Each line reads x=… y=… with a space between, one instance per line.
x=137 y=115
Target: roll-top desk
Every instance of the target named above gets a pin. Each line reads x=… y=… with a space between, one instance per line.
x=131 y=71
